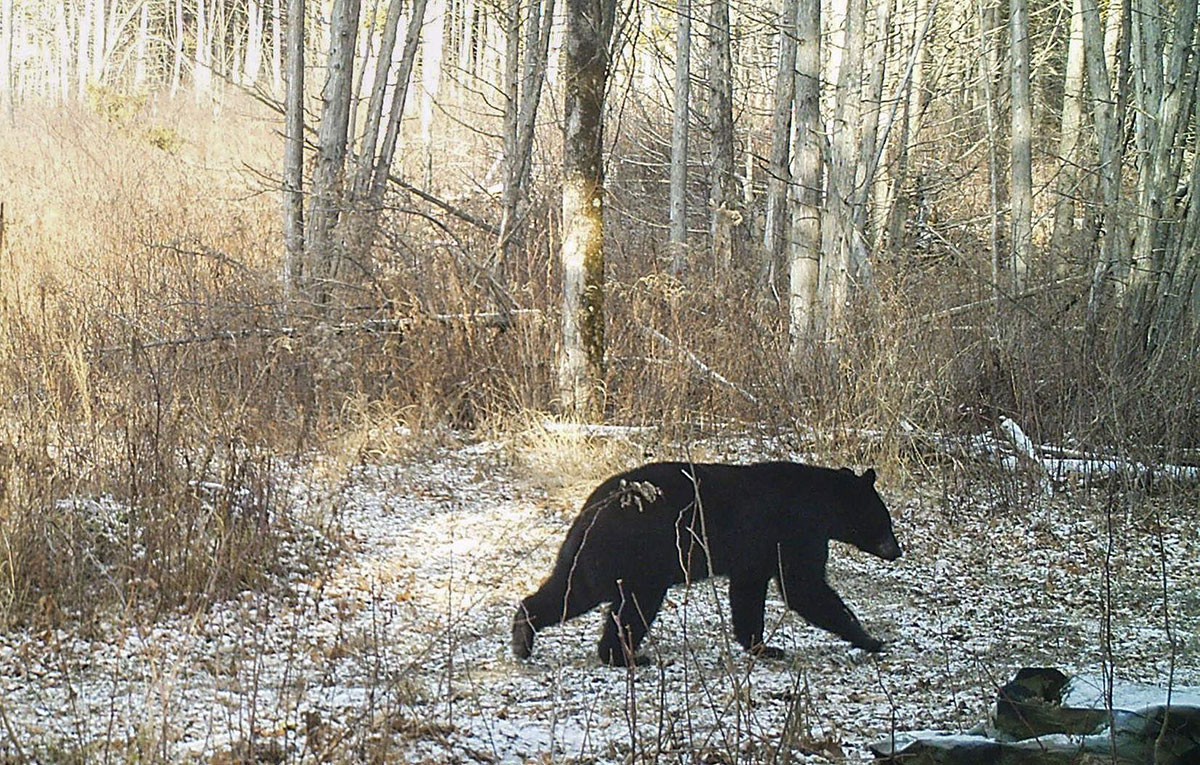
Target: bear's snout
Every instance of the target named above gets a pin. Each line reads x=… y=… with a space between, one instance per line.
x=889 y=549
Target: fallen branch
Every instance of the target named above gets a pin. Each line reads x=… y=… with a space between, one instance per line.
x=491 y=319
x=698 y=364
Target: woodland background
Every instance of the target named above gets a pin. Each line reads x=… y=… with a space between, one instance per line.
x=237 y=233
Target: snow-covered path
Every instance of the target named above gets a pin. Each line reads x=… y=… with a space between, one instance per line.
x=398 y=651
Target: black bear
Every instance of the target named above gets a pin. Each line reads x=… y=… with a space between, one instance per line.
x=670 y=522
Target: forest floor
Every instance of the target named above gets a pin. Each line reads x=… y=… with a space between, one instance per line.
x=394 y=644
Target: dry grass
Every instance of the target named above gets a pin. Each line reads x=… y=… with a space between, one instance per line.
x=149 y=387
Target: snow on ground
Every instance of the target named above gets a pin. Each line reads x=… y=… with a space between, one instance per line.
x=397 y=650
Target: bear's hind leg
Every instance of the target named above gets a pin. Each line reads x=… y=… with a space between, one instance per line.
x=626 y=623
x=550 y=605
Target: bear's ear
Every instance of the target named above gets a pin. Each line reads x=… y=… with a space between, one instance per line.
x=869 y=476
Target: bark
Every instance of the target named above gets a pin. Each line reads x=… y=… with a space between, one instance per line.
x=873 y=102
x=1066 y=186
x=1021 y=191
x=293 y=157
x=83 y=38
x=63 y=34
x=370 y=140
x=323 y=254
x=383 y=163
x=1107 y=123
x=585 y=74
x=276 y=50
x=254 y=44
x=679 y=138
x=433 y=39
x=778 y=175
x=840 y=268
x=726 y=217
x=177 y=46
x=805 y=251
x=1153 y=266
x=202 y=60
x=7 y=97
x=987 y=27
x=143 y=36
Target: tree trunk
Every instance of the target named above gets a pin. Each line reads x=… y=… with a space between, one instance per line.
x=840 y=238
x=323 y=254
x=1108 y=133
x=679 y=139
x=276 y=50
x=177 y=48
x=585 y=75
x=726 y=217
x=139 y=56
x=202 y=60
x=518 y=163
x=254 y=44
x=804 y=258
x=1150 y=273
x=293 y=150
x=1022 y=144
x=383 y=163
x=1066 y=186
x=778 y=175
x=83 y=36
x=433 y=44
x=7 y=97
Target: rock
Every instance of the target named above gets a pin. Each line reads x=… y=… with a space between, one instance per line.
x=1042 y=716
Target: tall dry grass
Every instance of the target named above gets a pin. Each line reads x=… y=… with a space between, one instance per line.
x=152 y=379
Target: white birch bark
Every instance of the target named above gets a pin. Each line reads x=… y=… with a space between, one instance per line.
x=433 y=44
x=804 y=257
x=778 y=174
x=679 y=137
x=293 y=158
x=1021 y=190
x=1066 y=186
x=276 y=50
x=202 y=57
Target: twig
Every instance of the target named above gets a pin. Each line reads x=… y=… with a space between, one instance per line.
x=12 y=736
x=698 y=364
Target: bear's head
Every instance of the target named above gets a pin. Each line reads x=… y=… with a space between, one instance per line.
x=865 y=522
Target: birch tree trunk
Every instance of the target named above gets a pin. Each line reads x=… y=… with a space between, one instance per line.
x=433 y=39
x=804 y=258
x=1022 y=143
x=585 y=75
x=722 y=196
x=254 y=43
x=1150 y=272
x=63 y=34
x=1068 y=142
x=519 y=132
x=139 y=56
x=177 y=47
x=679 y=138
x=276 y=50
x=83 y=36
x=839 y=235
x=778 y=174
x=293 y=148
x=7 y=97
x=202 y=60
x=323 y=254
x=1107 y=121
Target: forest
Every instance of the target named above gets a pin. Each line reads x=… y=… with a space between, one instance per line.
x=319 y=319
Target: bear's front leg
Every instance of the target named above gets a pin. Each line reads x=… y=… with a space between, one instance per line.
x=822 y=607
x=747 y=600
x=626 y=623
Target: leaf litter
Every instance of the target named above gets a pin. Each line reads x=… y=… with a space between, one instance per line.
x=396 y=646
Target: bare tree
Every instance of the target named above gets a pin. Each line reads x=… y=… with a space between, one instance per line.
x=1069 y=139
x=679 y=138
x=778 y=175
x=6 y=57
x=1022 y=142
x=722 y=197
x=585 y=76
x=323 y=253
x=293 y=158
x=804 y=258
x=522 y=95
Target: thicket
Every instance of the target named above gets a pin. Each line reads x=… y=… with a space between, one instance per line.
x=156 y=380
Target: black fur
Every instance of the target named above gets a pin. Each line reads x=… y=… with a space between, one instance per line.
x=639 y=533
